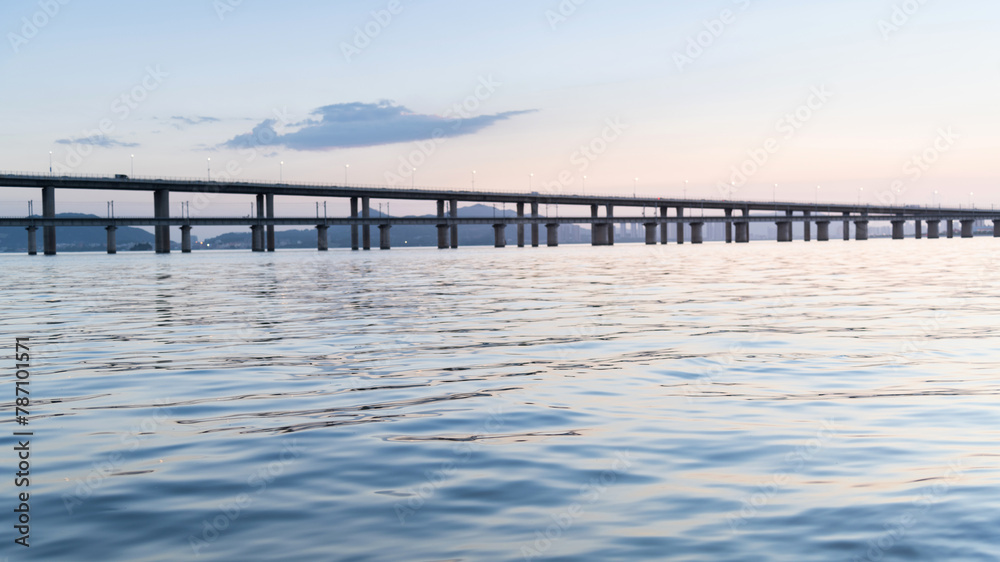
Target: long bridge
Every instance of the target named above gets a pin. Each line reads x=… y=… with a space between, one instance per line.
x=736 y=215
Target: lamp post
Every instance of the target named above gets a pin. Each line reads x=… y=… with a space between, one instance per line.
x=530 y=176
x=817 y=194
x=132 y=166
x=685 y=189
x=473 y=179
x=346 y=166
x=774 y=194
x=861 y=190
x=281 y=171
x=635 y=187
x=585 y=185
x=413 y=178
x=209 y=169
x=50 y=162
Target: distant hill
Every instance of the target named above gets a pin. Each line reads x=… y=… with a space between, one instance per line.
x=406 y=235
x=75 y=238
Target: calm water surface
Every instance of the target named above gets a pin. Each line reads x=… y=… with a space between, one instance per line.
x=763 y=402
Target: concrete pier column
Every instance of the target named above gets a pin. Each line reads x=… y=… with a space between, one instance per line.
x=696 y=232
x=680 y=225
x=186 y=239
x=442 y=236
x=822 y=231
x=663 y=226
x=729 y=227
x=269 y=200
x=454 y=228
x=967 y=228
x=322 y=238
x=161 y=209
x=784 y=231
x=610 y=237
x=32 y=240
x=807 y=227
x=595 y=229
x=520 y=225
x=255 y=238
x=354 y=215
x=861 y=230
x=552 y=235
x=49 y=211
x=261 y=233
x=742 y=232
x=918 y=228
x=499 y=235
x=847 y=227
x=366 y=234
x=112 y=242
x=996 y=228
x=534 y=226
x=951 y=228
x=933 y=229
x=442 y=226
x=383 y=236
x=897 y=229
x=650 y=233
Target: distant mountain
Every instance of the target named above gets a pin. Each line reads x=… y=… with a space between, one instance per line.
x=75 y=238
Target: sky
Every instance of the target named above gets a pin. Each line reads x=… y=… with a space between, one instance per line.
x=847 y=100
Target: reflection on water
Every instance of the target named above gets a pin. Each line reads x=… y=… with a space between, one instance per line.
x=761 y=402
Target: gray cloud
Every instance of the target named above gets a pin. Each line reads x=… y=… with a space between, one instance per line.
x=178 y=120
x=99 y=140
x=349 y=125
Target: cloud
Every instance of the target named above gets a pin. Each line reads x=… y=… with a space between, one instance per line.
x=349 y=125
x=178 y=120
x=99 y=140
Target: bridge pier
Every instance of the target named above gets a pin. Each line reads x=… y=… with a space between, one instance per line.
x=354 y=227
x=322 y=239
x=112 y=244
x=366 y=235
x=807 y=227
x=742 y=233
x=255 y=238
x=269 y=199
x=650 y=233
x=729 y=227
x=897 y=229
x=996 y=228
x=918 y=229
x=383 y=236
x=32 y=241
x=520 y=224
x=442 y=236
x=696 y=232
x=454 y=228
x=680 y=225
x=663 y=226
x=847 y=227
x=261 y=231
x=186 y=239
x=161 y=209
x=610 y=227
x=442 y=227
x=49 y=211
x=967 y=228
x=534 y=226
x=784 y=231
x=861 y=230
x=951 y=228
x=822 y=231
x=933 y=229
x=552 y=235
x=499 y=235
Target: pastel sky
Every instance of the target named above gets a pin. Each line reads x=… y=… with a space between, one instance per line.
x=841 y=94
